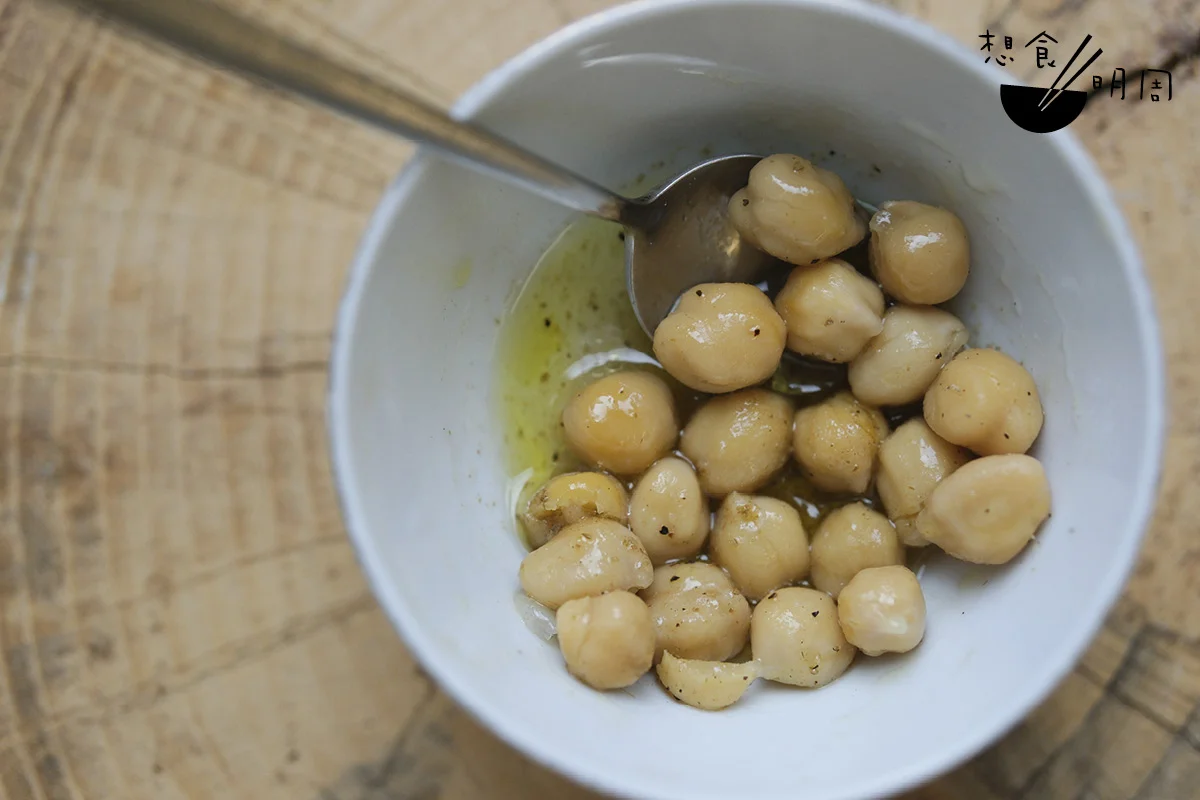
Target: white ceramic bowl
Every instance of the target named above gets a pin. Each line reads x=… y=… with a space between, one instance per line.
x=1056 y=281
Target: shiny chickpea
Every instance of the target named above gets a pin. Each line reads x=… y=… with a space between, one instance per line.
x=796 y=211
x=831 y=310
x=738 y=441
x=607 y=641
x=836 y=442
x=760 y=541
x=987 y=510
x=912 y=461
x=882 y=610
x=898 y=365
x=796 y=639
x=849 y=540
x=698 y=612
x=985 y=401
x=669 y=512
x=623 y=422
x=566 y=499
x=721 y=337
x=920 y=253
x=708 y=685
x=591 y=557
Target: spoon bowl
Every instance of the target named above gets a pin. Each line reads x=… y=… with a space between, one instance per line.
x=681 y=236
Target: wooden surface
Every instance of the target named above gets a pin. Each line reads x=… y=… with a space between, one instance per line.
x=181 y=615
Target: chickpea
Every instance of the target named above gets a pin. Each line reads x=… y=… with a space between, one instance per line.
x=796 y=211
x=836 y=442
x=882 y=610
x=566 y=499
x=985 y=401
x=708 y=685
x=738 y=441
x=721 y=337
x=591 y=557
x=760 y=542
x=607 y=641
x=623 y=422
x=697 y=611
x=920 y=253
x=831 y=310
x=912 y=461
x=989 y=509
x=898 y=365
x=849 y=540
x=669 y=512
x=796 y=639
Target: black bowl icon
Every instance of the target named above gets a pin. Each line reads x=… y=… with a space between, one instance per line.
x=1021 y=104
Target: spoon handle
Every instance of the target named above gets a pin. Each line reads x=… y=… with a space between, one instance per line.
x=212 y=33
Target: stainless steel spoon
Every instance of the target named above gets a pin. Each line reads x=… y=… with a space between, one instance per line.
x=676 y=237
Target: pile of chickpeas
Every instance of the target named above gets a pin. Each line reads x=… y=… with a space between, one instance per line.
x=664 y=557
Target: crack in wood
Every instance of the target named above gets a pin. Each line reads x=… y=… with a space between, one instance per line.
x=228 y=657
x=203 y=576
x=415 y=767
x=113 y=368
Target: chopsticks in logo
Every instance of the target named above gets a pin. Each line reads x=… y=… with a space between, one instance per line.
x=1053 y=92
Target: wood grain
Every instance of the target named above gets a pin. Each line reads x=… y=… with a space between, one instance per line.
x=181 y=615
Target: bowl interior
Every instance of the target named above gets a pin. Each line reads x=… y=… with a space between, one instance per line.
x=898 y=113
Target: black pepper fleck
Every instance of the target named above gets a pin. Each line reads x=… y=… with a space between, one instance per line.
x=1006 y=436
x=547 y=321
x=816 y=612
x=939 y=355
x=699 y=293
x=745 y=201
x=771 y=596
x=757 y=331
x=621 y=235
x=674 y=577
x=665 y=531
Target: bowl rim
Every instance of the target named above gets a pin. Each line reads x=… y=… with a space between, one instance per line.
x=576 y=766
